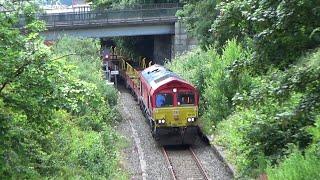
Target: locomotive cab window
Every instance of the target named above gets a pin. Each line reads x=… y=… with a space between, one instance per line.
x=164 y=100
x=186 y=98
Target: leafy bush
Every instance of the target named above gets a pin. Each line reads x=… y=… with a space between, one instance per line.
x=96 y=96
x=231 y=136
x=93 y=143
x=281 y=106
x=227 y=77
x=297 y=166
x=257 y=118
x=217 y=77
x=280 y=31
x=300 y=165
x=193 y=66
x=78 y=153
x=198 y=16
x=259 y=96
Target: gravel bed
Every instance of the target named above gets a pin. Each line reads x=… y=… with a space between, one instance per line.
x=129 y=155
x=214 y=167
x=143 y=158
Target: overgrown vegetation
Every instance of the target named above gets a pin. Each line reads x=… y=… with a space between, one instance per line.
x=273 y=115
x=198 y=21
x=212 y=75
x=56 y=112
x=300 y=165
x=258 y=74
x=279 y=31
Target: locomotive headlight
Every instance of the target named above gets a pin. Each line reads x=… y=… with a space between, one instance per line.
x=161 y=121
x=191 y=119
x=174 y=90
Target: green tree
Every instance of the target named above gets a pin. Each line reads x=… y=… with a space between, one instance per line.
x=198 y=16
x=28 y=92
x=54 y=118
x=259 y=98
x=280 y=30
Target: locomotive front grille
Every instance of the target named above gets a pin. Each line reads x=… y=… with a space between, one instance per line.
x=176 y=116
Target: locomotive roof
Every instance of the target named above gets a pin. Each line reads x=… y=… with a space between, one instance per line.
x=156 y=74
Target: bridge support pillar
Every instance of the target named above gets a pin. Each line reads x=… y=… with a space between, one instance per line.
x=182 y=42
x=162 y=48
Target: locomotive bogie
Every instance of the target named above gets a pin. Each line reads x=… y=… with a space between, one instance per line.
x=176 y=135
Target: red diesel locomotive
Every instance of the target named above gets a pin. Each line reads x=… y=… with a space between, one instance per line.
x=170 y=104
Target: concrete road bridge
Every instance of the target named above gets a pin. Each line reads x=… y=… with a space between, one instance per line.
x=157 y=20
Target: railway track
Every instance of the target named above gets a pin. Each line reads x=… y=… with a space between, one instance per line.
x=184 y=164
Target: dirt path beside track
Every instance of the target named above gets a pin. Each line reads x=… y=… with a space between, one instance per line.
x=143 y=157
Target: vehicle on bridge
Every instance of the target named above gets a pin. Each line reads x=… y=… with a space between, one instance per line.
x=169 y=103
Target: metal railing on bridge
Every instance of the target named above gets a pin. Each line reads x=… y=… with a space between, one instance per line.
x=142 y=14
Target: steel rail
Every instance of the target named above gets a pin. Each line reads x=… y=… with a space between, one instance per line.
x=203 y=172
x=170 y=167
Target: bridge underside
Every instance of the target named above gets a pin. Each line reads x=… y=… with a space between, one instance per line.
x=111 y=31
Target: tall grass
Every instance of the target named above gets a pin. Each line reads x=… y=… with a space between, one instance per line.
x=297 y=166
x=300 y=165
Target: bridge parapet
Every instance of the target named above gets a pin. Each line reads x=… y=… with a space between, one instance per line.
x=137 y=14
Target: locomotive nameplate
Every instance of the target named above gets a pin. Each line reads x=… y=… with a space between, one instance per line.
x=176 y=114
